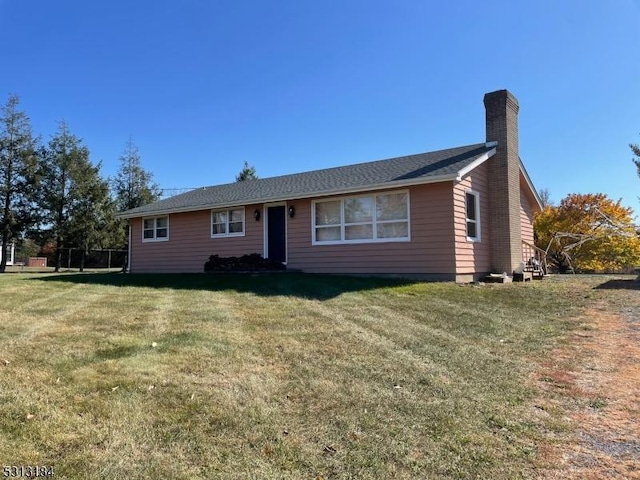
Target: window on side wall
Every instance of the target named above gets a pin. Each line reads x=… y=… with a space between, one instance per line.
x=227 y=223
x=473 y=215
x=362 y=219
x=155 y=229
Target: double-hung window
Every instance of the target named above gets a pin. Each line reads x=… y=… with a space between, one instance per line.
x=227 y=223
x=360 y=219
x=473 y=215
x=155 y=229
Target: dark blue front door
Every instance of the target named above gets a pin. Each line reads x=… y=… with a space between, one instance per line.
x=276 y=234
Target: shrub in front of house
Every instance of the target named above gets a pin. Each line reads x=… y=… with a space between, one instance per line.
x=253 y=262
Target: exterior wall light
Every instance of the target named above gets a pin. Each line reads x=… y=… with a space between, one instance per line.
x=256 y=215
x=292 y=211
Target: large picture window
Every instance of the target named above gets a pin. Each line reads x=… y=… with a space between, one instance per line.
x=227 y=223
x=473 y=216
x=155 y=229
x=367 y=218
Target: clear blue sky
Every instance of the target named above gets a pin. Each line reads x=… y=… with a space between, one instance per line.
x=295 y=85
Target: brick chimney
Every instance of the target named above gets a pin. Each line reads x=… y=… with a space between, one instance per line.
x=504 y=181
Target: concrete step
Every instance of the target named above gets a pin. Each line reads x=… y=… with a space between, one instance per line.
x=497 y=278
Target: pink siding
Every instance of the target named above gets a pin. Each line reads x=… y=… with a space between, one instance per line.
x=472 y=257
x=190 y=243
x=438 y=245
x=430 y=250
x=527 y=210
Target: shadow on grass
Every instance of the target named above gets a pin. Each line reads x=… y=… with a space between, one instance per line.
x=620 y=284
x=317 y=287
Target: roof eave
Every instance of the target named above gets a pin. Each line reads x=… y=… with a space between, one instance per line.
x=477 y=162
x=527 y=178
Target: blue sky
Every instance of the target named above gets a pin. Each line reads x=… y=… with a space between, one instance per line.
x=295 y=85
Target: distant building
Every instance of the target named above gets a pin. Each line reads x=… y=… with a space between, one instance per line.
x=11 y=251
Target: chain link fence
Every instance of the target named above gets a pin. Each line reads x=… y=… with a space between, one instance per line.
x=72 y=258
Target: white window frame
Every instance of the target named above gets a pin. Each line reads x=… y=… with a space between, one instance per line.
x=155 y=229
x=373 y=222
x=476 y=196
x=227 y=233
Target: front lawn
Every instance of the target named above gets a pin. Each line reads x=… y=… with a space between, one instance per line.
x=283 y=376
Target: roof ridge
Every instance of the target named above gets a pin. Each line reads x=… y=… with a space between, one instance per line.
x=337 y=167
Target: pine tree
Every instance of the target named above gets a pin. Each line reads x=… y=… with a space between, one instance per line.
x=635 y=148
x=133 y=185
x=91 y=212
x=17 y=174
x=74 y=199
x=248 y=172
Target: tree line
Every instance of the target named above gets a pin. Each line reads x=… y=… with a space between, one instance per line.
x=53 y=193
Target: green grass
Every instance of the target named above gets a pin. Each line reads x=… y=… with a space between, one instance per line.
x=274 y=376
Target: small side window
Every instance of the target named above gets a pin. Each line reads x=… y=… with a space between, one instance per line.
x=155 y=229
x=473 y=216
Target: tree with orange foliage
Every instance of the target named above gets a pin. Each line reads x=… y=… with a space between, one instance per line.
x=588 y=233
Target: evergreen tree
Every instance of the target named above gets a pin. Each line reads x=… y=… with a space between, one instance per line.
x=91 y=212
x=248 y=172
x=133 y=185
x=635 y=148
x=74 y=199
x=17 y=174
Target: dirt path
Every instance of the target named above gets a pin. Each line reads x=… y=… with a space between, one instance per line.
x=593 y=380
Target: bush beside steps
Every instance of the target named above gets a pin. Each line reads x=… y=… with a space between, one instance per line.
x=252 y=262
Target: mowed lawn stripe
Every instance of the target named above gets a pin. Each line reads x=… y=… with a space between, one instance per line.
x=274 y=376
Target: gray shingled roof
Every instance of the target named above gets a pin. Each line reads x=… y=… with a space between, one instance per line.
x=412 y=169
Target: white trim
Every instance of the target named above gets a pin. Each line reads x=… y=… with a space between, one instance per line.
x=475 y=164
x=155 y=229
x=491 y=144
x=525 y=174
x=476 y=195
x=129 y=259
x=227 y=233
x=373 y=222
x=265 y=232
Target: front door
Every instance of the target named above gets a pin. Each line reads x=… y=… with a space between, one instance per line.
x=276 y=233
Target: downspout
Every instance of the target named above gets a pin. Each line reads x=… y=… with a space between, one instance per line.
x=128 y=269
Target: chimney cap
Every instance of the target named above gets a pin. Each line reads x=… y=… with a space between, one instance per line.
x=501 y=97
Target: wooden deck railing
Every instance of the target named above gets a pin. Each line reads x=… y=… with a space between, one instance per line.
x=534 y=258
